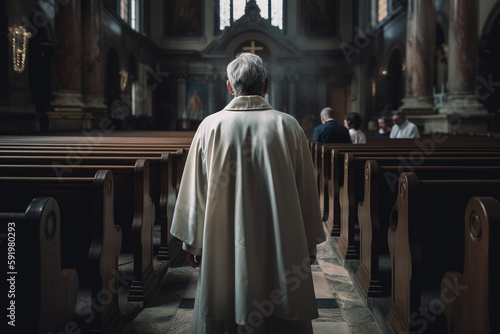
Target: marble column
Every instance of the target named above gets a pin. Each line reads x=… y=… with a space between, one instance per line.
x=67 y=105
x=462 y=59
x=92 y=59
x=420 y=52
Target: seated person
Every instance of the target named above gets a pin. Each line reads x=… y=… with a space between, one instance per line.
x=353 y=123
x=384 y=127
x=330 y=131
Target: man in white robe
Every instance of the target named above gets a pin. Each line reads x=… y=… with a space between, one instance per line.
x=249 y=203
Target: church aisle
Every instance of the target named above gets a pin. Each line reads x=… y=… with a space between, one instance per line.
x=340 y=308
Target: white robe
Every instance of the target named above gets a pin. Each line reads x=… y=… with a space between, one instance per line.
x=249 y=202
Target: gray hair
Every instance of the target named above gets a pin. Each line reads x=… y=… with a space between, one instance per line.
x=328 y=112
x=247 y=74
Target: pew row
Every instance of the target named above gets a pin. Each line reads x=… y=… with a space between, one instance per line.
x=44 y=295
x=90 y=240
x=165 y=172
x=133 y=211
x=374 y=215
x=330 y=176
x=351 y=192
x=470 y=297
x=424 y=244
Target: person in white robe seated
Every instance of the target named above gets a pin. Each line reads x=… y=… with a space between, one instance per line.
x=248 y=214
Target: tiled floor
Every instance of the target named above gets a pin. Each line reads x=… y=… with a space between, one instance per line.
x=340 y=307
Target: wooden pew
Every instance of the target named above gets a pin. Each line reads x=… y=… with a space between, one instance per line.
x=351 y=192
x=159 y=166
x=90 y=240
x=471 y=297
x=374 y=215
x=426 y=243
x=133 y=210
x=40 y=295
x=333 y=163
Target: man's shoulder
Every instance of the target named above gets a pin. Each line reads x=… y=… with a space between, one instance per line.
x=337 y=126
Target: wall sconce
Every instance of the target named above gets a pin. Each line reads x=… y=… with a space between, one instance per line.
x=123 y=79
x=18 y=37
x=384 y=73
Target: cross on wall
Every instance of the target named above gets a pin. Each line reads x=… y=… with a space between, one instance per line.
x=252 y=48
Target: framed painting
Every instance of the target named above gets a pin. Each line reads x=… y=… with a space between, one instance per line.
x=319 y=17
x=183 y=18
x=197 y=101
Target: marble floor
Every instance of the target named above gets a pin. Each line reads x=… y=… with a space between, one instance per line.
x=340 y=307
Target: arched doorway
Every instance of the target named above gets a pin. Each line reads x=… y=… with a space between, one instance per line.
x=395 y=80
x=118 y=107
x=41 y=70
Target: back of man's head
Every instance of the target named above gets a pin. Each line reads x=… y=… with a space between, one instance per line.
x=327 y=113
x=247 y=74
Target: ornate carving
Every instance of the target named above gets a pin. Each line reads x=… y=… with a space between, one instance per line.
x=475 y=226
x=402 y=190
x=50 y=226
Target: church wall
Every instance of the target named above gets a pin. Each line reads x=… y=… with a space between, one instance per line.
x=296 y=61
x=309 y=67
x=17 y=111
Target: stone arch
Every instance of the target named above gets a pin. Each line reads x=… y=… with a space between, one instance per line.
x=112 y=91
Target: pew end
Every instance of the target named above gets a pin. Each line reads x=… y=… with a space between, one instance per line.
x=43 y=290
x=470 y=298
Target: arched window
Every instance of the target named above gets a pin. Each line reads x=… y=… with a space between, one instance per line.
x=379 y=11
x=130 y=12
x=231 y=10
x=382 y=10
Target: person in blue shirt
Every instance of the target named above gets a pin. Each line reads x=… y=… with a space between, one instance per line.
x=330 y=131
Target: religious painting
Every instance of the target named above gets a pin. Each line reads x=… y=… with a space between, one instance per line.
x=197 y=101
x=319 y=17
x=183 y=18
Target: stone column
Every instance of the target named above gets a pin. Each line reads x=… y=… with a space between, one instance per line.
x=420 y=52
x=462 y=59
x=67 y=113
x=92 y=61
